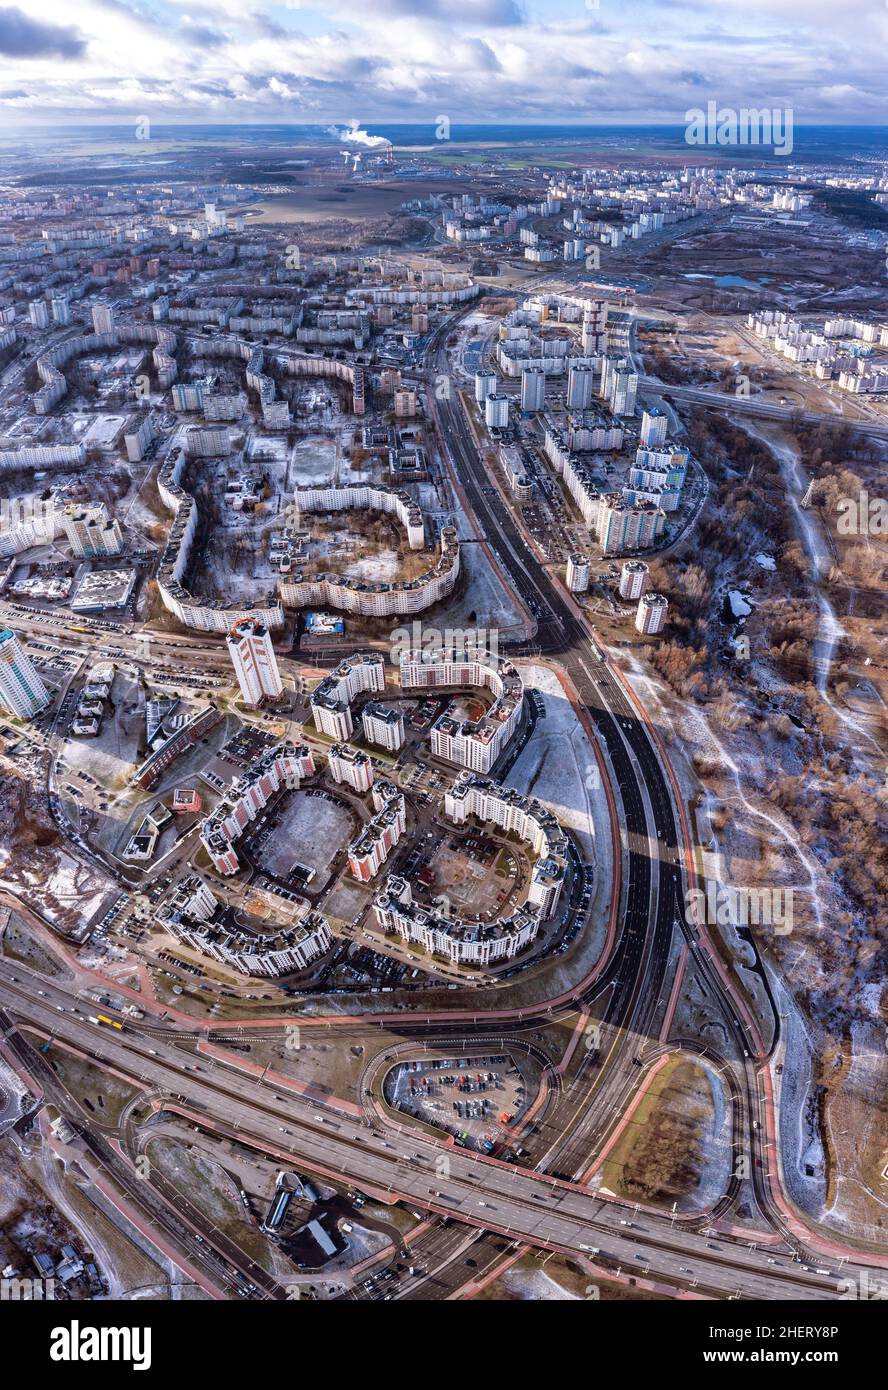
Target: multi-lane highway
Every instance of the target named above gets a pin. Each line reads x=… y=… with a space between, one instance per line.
x=514 y=1202
x=753 y=406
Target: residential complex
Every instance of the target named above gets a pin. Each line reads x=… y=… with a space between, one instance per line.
x=472 y=743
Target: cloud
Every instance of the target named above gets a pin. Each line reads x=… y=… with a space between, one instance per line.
x=202 y=35
x=410 y=60
x=270 y=27
x=21 y=37
x=455 y=14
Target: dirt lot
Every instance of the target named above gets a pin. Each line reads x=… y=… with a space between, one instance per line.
x=479 y=880
x=560 y=1280
x=102 y=1095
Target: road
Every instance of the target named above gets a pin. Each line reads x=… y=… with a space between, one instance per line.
x=516 y=1203
x=751 y=405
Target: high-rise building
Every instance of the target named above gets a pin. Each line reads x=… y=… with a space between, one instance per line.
x=623 y=391
x=103 y=318
x=283 y=765
x=21 y=689
x=594 y=332
x=188 y=395
x=383 y=725
x=653 y=427
x=485 y=385
x=333 y=717
x=61 y=310
x=369 y=851
x=578 y=573
x=255 y=664
x=350 y=765
x=473 y=743
x=331 y=701
x=651 y=613
x=496 y=411
x=405 y=403
x=621 y=526
x=138 y=436
x=633 y=579
x=38 y=313
x=533 y=388
x=579 y=387
x=92 y=530
x=619 y=385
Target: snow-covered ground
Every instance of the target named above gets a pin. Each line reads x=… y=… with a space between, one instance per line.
x=801 y=1150
x=536 y=1285
x=756 y=838
x=558 y=763
x=484 y=595
x=810 y=532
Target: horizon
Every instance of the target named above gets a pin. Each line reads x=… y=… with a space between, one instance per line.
x=602 y=124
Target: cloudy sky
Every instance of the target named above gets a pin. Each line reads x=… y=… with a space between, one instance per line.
x=413 y=60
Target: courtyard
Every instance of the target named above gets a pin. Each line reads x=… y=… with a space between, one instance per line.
x=306 y=831
x=478 y=878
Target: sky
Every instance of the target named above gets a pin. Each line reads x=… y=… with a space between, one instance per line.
x=474 y=61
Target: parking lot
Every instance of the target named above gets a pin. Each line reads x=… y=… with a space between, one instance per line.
x=471 y=1098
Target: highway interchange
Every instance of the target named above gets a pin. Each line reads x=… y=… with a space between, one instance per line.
x=517 y=1203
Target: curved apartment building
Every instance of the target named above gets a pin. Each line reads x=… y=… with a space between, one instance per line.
x=207 y=615
x=462 y=943
x=283 y=766
x=372 y=847
x=485 y=943
x=472 y=743
x=374 y=600
x=323 y=590
x=192 y=913
x=294 y=364
x=331 y=700
x=368 y=497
